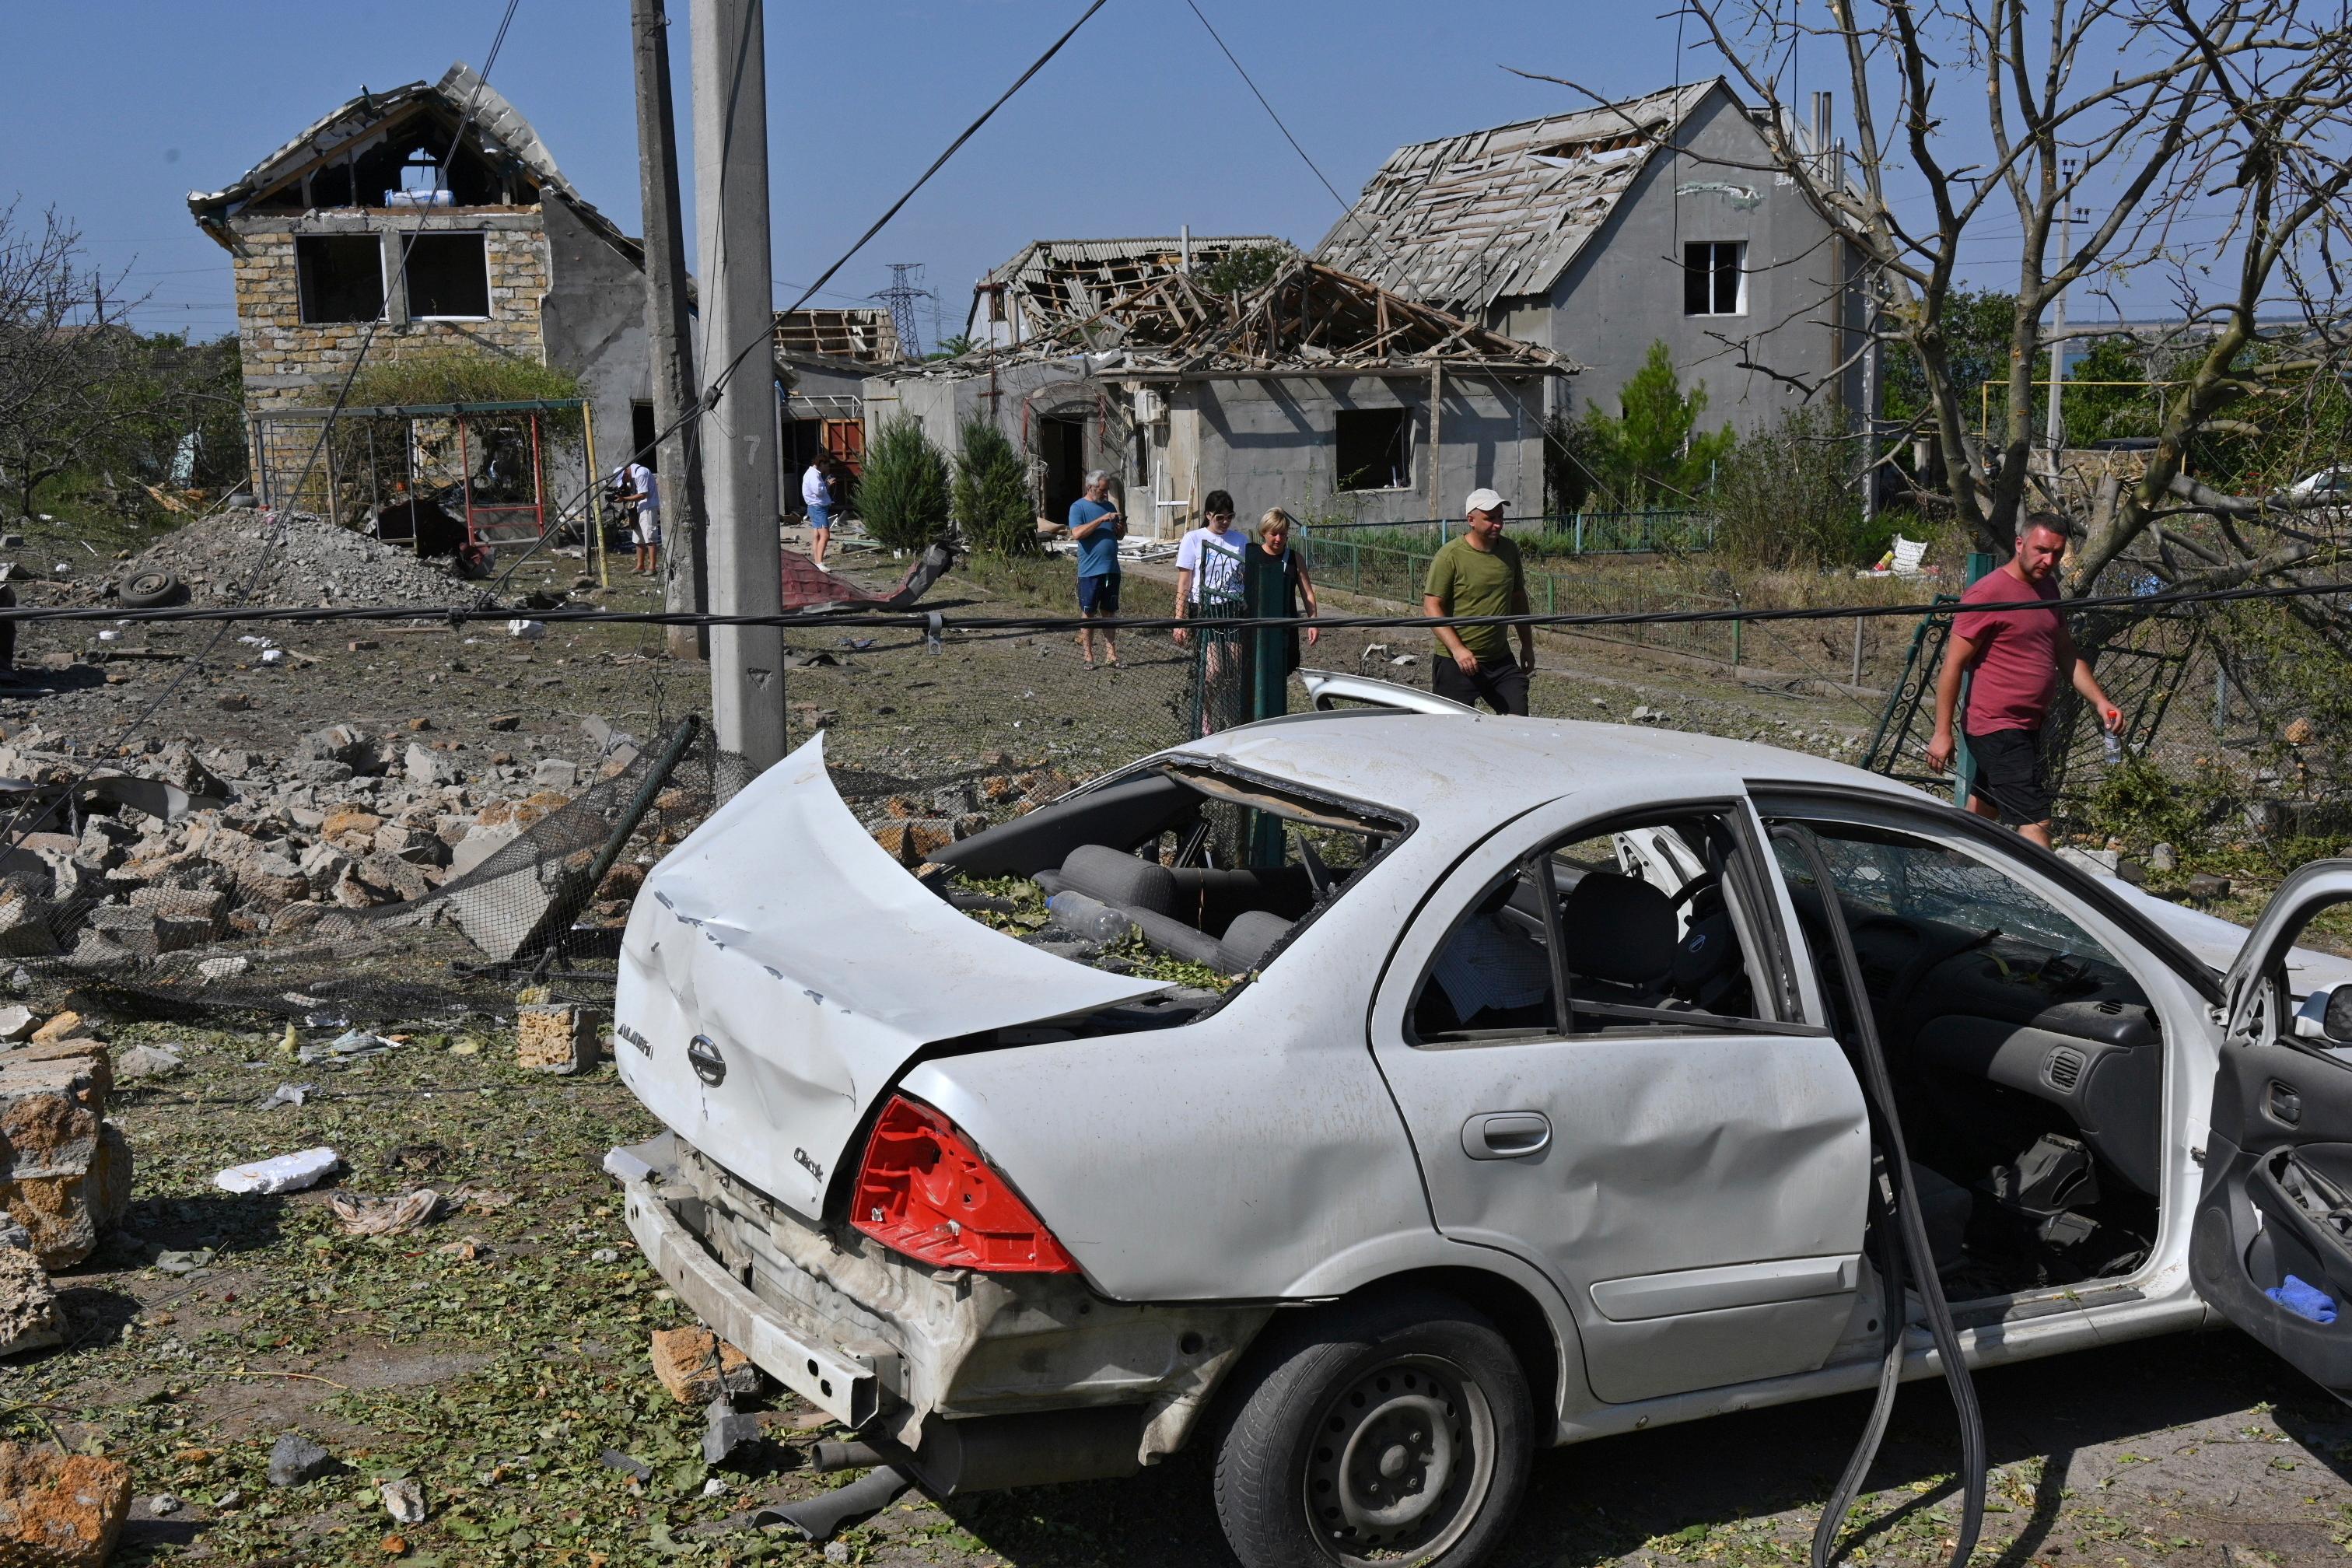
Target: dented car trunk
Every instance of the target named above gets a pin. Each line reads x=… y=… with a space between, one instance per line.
x=779 y=970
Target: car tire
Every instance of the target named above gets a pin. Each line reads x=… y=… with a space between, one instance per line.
x=146 y=590
x=1379 y=1430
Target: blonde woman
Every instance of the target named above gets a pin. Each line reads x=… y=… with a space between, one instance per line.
x=1274 y=553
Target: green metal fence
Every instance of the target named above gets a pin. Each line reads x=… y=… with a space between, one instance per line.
x=1343 y=562
x=1563 y=533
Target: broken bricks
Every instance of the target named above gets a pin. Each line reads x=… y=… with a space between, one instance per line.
x=696 y=1366
x=60 y=1510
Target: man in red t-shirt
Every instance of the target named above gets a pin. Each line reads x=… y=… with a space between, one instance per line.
x=2018 y=656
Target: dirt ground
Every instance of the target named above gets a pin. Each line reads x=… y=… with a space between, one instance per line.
x=499 y=1354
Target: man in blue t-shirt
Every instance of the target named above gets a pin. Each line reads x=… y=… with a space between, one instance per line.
x=1098 y=526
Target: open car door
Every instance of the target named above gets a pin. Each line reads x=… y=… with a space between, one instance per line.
x=2271 y=1246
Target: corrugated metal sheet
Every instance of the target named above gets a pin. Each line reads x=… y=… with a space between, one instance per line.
x=1491 y=215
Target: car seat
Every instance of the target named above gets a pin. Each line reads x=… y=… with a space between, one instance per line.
x=1618 y=935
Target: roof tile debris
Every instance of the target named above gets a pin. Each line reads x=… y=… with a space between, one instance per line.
x=1307 y=317
x=1057 y=281
x=1494 y=215
x=863 y=336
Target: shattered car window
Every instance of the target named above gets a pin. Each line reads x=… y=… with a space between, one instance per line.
x=1912 y=879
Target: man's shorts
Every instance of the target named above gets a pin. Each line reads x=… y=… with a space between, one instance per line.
x=1098 y=594
x=2010 y=774
x=648 y=530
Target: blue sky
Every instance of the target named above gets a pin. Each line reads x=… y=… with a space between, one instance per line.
x=118 y=107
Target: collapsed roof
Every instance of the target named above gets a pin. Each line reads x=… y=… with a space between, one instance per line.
x=1053 y=283
x=1307 y=317
x=355 y=156
x=861 y=336
x=1493 y=214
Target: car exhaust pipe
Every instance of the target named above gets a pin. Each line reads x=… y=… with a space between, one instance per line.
x=830 y=1455
x=992 y=1452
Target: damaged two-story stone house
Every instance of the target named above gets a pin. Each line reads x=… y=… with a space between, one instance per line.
x=356 y=224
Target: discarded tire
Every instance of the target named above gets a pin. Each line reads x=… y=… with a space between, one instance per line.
x=145 y=590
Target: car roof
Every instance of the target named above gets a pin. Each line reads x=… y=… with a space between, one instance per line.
x=1421 y=763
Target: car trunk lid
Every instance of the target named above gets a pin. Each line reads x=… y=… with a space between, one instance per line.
x=780 y=968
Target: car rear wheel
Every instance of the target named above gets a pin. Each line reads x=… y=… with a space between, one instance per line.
x=1380 y=1431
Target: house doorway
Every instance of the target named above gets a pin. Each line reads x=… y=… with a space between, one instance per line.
x=1061 y=448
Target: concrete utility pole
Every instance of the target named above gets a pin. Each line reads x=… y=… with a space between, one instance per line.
x=2058 y=323
x=679 y=452
x=739 y=434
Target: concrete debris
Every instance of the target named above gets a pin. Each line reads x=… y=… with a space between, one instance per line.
x=147 y=1061
x=309 y=560
x=30 y=1319
x=297 y=1459
x=696 y=1366
x=404 y=1500
x=557 y=1037
x=281 y=1173
x=60 y=1510
x=2163 y=859
x=289 y=1094
x=17 y=1023
x=65 y=1170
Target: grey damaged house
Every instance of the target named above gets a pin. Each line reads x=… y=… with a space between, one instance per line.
x=1597 y=232
x=1317 y=392
x=508 y=256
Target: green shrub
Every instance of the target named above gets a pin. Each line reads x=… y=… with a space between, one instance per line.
x=992 y=492
x=1788 y=497
x=1652 y=453
x=903 y=496
x=438 y=375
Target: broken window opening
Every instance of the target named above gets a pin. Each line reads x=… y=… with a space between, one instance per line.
x=1375 y=449
x=449 y=276
x=1715 y=277
x=340 y=277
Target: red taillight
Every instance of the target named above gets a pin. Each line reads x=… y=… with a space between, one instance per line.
x=926 y=1192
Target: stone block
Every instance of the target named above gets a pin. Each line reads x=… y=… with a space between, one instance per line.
x=60 y=1510
x=417 y=846
x=696 y=1366
x=557 y=1039
x=555 y=772
x=65 y=1170
x=209 y=905
x=426 y=767
x=479 y=843
x=29 y=1317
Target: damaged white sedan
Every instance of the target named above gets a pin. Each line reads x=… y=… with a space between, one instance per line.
x=1523 y=1109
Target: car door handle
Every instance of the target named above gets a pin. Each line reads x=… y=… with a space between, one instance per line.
x=1505 y=1134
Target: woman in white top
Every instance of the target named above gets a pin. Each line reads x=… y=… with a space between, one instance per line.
x=1209 y=564
x=816 y=494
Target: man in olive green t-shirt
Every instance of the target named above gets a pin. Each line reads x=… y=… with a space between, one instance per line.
x=1479 y=574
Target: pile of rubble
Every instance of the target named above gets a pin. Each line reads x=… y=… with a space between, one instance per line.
x=313 y=561
x=233 y=844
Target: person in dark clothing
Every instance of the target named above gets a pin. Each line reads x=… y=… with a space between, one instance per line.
x=1274 y=553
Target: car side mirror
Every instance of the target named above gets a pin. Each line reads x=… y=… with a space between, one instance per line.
x=2327 y=1015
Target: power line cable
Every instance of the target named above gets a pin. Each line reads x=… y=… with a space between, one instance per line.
x=1268 y=107
x=923 y=620
x=714 y=384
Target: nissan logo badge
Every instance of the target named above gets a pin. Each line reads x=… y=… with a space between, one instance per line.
x=702 y=1055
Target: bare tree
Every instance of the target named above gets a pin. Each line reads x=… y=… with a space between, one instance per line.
x=2168 y=117
x=65 y=344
